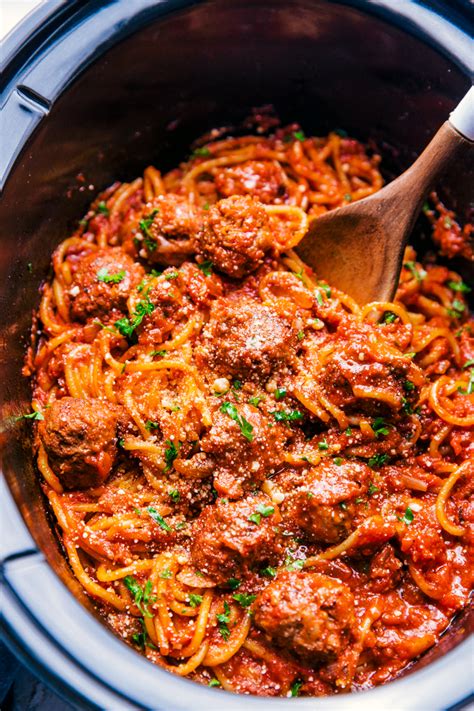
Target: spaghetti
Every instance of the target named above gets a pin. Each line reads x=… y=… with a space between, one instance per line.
x=262 y=485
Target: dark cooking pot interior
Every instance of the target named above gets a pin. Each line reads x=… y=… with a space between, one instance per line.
x=147 y=98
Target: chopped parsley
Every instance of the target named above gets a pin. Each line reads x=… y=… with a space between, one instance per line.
x=418 y=274
x=144 y=226
x=204 y=151
x=205 y=206
x=319 y=297
x=326 y=288
x=245 y=427
x=157 y=353
x=299 y=135
x=295 y=687
x=280 y=393
x=234 y=583
x=323 y=445
x=372 y=489
x=157 y=518
x=378 y=460
x=389 y=317
x=348 y=432
x=194 y=600
x=470 y=385
x=174 y=495
x=255 y=401
x=171 y=275
x=150 y=425
x=166 y=574
x=292 y=564
x=459 y=286
x=468 y=363
x=457 y=309
x=223 y=620
x=244 y=599
x=447 y=223
x=30 y=416
x=408 y=516
x=126 y=326
x=261 y=510
x=103 y=275
x=102 y=208
x=206 y=267
x=141 y=596
x=300 y=335
x=408 y=385
x=214 y=682
x=379 y=426
x=291 y=416
x=269 y=572
x=171 y=452
x=337 y=461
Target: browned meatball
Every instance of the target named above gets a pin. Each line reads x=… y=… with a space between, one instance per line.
x=263 y=180
x=323 y=506
x=79 y=437
x=225 y=541
x=309 y=614
x=166 y=229
x=241 y=461
x=102 y=282
x=235 y=235
x=246 y=339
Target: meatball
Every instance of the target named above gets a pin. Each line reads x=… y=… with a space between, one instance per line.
x=308 y=614
x=246 y=339
x=102 y=282
x=226 y=540
x=241 y=461
x=79 y=437
x=263 y=180
x=235 y=235
x=167 y=228
x=323 y=507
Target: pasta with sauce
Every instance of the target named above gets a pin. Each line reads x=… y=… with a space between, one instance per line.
x=262 y=485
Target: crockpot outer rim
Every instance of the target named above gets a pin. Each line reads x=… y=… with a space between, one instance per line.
x=33 y=36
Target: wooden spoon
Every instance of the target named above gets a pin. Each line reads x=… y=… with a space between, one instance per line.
x=359 y=248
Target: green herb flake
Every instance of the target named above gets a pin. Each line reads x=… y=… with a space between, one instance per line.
x=255 y=401
x=171 y=275
x=103 y=275
x=296 y=687
x=206 y=206
x=30 y=416
x=150 y=425
x=206 y=267
x=323 y=445
x=348 y=432
x=234 y=583
x=470 y=385
x=300 y=335
x=244 y=599
x=299 y=135
x=378 y=460
x=223 y=620
x=245 y=427
x=161 y=353
x=214 y=682
x=389 y=317
x=201 y=152
x=102 y=208
x=447 y=222
x=194 y=600
x=126 y=326
x=380 y=427
x=166 y=574
x=372 y=489
x=280 y=393
x=144 y=226
x=459 y=286
x=408 y=516
x=292 y=564
x=319 y=297
x=468 y=363
x=141 y=596
x=174 y=495
x=157 y=518
x=418 y=274
x=269 y=572
x=408 y=385
x=337 y=461
x=290 y=416
x=171 y=452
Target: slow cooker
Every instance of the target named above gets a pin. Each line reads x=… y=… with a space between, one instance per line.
x=93 y=92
